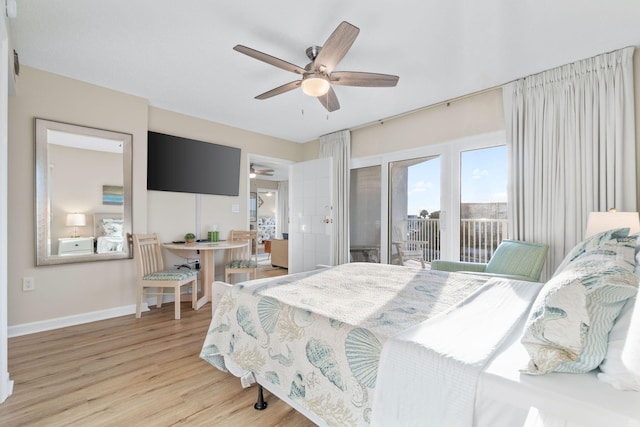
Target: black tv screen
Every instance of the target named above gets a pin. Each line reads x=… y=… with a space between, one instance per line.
x=188 y=166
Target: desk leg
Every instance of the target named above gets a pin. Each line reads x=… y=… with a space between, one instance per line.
x=207 y=275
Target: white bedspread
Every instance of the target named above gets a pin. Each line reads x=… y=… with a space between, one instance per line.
x=428 y=373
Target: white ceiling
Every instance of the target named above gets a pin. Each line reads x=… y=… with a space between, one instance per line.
x=178 y=54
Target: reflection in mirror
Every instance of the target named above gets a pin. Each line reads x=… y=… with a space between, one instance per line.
x=83 y=193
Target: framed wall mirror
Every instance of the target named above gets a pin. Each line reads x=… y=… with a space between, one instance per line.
x=83 y=193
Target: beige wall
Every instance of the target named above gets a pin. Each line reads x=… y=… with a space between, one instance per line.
x=172 y=215
x=74 y=289
x=473 y=115
x=78 y=288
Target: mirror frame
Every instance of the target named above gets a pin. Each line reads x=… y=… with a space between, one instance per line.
x=43 y=214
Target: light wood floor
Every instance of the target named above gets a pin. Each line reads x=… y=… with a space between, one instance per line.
x=131 y=372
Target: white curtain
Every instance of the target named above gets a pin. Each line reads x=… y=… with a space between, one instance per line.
x=571 y=149
x=338 y=146
x=282 y=210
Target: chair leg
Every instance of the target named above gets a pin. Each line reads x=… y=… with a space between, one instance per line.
x=176 y=309
x=159 y=297
x=139 y=301
x=194 y=293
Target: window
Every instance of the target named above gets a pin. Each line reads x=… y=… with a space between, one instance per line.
x=414 y=208
x=445 y=201
x=483 y=202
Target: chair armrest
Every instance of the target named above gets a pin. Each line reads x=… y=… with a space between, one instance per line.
x=503 y=276
x=443 y=265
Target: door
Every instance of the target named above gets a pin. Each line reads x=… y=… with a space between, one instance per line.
x=365 y=214
x=311 y=220
x=414 y=210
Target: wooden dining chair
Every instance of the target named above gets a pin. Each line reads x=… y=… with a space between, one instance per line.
x=245 y=259
x=151 y=274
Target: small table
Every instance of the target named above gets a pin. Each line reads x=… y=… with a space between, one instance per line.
x=207 y=261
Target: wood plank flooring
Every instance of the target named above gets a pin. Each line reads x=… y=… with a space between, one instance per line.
x=131 y=372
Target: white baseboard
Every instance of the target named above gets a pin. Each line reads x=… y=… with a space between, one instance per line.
x=6 y=387
x=76 y=319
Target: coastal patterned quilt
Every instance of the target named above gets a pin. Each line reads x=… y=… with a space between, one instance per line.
x=318 y=335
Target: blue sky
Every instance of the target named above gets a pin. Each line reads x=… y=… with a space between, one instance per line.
x=483 y=173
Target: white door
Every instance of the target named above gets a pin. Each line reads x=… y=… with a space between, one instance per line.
x=310 y=215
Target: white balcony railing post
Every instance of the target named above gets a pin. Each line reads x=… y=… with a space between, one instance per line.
x=478 y=237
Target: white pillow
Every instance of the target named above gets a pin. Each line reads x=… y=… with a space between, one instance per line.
x=614 y=372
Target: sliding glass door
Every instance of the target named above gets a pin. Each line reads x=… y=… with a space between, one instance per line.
x=483 y=202
x=446 y=201
x=414 y=210
x=365 y=211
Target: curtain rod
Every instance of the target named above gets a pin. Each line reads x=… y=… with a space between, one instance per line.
x=468 y=95
x=427 y=107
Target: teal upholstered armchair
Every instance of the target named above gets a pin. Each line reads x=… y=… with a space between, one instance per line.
x=512 y=259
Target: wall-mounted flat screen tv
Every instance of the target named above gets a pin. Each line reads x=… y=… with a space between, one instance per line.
x=189 y=166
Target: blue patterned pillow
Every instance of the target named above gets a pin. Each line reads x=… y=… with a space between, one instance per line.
x=590 y=243
x=568 y=326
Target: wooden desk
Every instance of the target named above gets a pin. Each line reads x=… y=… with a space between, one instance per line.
x=207 y=261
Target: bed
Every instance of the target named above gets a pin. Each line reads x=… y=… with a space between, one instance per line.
x=108 y=229
x=266 y=228
x=397 y=346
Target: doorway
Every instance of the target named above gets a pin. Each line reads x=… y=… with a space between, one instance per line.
x=267 y=206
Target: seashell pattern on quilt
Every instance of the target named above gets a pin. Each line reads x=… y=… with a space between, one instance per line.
x=318 y=335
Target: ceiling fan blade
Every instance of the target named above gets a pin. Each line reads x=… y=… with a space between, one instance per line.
x=258 y=170
x=271 y=60
x=337 y=46
x=354 y=78
x=329 y=101
x=280 y=89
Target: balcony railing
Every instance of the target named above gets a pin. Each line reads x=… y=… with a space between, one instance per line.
x=479 y=238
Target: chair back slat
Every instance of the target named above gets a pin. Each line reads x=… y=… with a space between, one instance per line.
x=147 y=253
x=247 y=252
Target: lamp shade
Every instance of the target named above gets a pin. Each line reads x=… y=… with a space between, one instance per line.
x=76 y=220
x=603 y=221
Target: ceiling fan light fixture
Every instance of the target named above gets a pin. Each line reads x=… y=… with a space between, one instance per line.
x=315 y=85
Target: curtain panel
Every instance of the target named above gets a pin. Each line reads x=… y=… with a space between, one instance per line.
x=571 y=149
x=337 y=145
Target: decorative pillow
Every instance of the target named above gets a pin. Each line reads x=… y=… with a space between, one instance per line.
x=112 y=227
x=613 y=370
x=590 y=243
x=570 y=320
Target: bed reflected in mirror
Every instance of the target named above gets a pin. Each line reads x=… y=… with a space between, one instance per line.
x=83 y=193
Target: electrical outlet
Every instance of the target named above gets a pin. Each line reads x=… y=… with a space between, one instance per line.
x=28 y=284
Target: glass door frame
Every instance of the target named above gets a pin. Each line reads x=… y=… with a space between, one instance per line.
x=449 y=153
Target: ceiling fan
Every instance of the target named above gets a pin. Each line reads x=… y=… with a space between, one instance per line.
x=254 y=171
x=318 y=76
